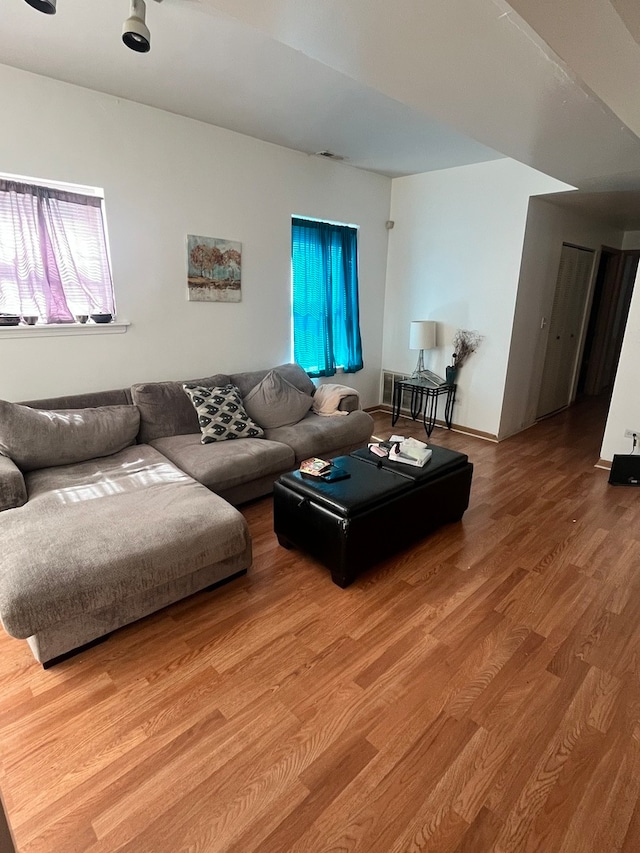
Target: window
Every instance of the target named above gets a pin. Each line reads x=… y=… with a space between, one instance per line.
x=54 y=262
x=326 y=325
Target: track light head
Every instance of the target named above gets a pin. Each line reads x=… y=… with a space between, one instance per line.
x=46 y=6
x=135 y=33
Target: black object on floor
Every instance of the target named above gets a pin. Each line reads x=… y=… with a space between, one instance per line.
x=625 y=470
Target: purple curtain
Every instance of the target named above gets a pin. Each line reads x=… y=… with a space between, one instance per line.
x=53 y=254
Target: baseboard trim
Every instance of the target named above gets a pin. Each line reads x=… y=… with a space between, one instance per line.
x=476 y=433
x=604 y=464
x=465 y=430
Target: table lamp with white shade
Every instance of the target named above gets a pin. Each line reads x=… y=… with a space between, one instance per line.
x=422 y=336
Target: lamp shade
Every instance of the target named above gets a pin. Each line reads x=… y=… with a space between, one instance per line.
x=423 y=334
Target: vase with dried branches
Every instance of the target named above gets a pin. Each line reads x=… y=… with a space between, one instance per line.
x=465 y=343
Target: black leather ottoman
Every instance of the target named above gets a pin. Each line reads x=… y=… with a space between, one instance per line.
x=350 y=524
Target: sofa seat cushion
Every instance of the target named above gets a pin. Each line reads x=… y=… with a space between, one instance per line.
x=318 y=436
x=225 y=464
x=98 y=532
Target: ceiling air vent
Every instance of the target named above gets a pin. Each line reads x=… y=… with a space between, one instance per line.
x=329 y=155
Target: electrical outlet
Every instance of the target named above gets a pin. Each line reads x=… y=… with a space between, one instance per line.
x=629 y=433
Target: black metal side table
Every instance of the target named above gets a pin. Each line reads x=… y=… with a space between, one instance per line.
x=424 y=400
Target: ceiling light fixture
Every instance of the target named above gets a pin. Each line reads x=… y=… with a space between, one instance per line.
x=46 y=6
x=135 y=33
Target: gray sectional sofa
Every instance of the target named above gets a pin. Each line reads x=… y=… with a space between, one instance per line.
x=112 y=507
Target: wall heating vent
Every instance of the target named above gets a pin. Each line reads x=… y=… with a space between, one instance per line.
x=386 y=395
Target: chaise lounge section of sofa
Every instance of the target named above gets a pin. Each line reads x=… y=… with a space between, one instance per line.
x=110 y=535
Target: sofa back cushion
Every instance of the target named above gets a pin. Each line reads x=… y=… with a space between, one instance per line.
x=87 y=400
x=41 y=438
x=292 y=372
x=13 y=489
x=166 y=410
x=274 y=402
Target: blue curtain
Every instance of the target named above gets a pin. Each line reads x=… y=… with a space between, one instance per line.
x=326 y=320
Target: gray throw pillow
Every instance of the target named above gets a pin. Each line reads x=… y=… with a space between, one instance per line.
x=41 y=438
x=274 y=402
x=221 y=414
x=292 y=372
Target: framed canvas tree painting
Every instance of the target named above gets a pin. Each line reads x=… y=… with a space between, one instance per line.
x=214 y=269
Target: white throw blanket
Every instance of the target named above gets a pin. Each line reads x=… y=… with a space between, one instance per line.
x=327 y=398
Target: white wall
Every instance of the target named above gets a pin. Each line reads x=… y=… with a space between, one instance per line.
x=624 y=411
x=454 y=257
x=631 y=240
x=548 y=226
x=164 y=177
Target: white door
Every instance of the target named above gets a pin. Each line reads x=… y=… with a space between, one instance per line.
x=567 y=315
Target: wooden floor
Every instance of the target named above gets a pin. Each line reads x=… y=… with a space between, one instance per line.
x=479 y=692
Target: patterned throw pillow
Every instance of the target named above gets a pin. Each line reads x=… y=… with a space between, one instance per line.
x=221 y=414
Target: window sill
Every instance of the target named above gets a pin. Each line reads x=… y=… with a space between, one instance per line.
x=46 y=330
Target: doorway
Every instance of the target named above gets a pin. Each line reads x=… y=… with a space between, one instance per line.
x=607 y=320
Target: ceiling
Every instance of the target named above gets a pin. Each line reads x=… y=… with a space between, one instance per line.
x=629 y=11
x=396 y=88
x=620 y=210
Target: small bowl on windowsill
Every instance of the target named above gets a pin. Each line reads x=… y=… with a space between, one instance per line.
x=102 y=318
x=30 y=319
x=9 y=319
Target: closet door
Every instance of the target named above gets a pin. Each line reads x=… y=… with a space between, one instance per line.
x=567 y=315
